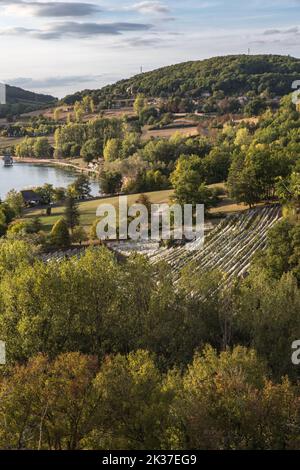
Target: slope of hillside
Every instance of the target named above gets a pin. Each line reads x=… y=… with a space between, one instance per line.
x=22 y=101
x=230 y=247
x=234 y=75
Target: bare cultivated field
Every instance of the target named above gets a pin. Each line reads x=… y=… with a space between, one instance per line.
x=44 y=112
x=227 y=206
x=117 y=113
x=7 y=142
x=250 y=120
x=65 y=111
x=168 y=132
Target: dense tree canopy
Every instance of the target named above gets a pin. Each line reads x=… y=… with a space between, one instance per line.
x=230 y=76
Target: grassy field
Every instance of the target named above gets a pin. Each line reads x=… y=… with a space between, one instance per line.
x=87 y=209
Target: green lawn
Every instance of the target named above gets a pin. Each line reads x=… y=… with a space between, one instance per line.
x=88 y=209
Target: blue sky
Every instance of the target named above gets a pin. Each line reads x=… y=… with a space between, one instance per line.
x=63 y=46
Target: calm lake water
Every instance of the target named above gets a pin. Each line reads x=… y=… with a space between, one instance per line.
x=27 y=175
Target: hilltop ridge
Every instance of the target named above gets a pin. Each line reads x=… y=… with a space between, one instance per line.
x=20 y=101
x=234 y=75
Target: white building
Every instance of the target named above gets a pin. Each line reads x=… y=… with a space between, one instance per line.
x=2 y=93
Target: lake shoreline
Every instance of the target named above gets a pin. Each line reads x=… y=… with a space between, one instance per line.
x=55 y=162
x=30 y=173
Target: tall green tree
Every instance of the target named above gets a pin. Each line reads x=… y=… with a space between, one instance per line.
x=15 y=201
x=243 y=184
x=226 y=402
x=91 y=149
x=71 y=212
x=134 y=406
x=112 y=150
x=59 y=235
x=82 y=186
x=42 y=148
x=188 y=180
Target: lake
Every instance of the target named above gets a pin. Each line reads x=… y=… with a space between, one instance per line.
x=27 y=175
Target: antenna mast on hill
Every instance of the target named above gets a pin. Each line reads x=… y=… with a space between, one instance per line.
x=141 y=69
x=249 y=51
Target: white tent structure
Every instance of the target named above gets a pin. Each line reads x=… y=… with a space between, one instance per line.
x=2 y=93
x=2 y=353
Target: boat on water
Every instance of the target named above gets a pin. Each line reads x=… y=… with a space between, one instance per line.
x=7 y=160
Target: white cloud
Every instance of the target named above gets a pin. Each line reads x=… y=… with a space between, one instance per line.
x=52 y=82
x=51 y=9
x=75 y=30
x=148 y=7
x=272 y=32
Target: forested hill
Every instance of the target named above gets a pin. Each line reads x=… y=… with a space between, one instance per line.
x=16 y=95
x=21 y=101
x=234 y=75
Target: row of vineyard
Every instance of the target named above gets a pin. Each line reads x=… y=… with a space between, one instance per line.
x=228 y=248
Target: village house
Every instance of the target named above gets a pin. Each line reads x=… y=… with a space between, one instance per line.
x=30 y=197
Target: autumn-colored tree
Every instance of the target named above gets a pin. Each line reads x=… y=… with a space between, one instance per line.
x=79 y=235
x=59 y=235
x=47 y=405
x=24 y=405
x=226 y=402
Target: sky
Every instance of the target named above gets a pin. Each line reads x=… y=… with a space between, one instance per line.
x=60 y=47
